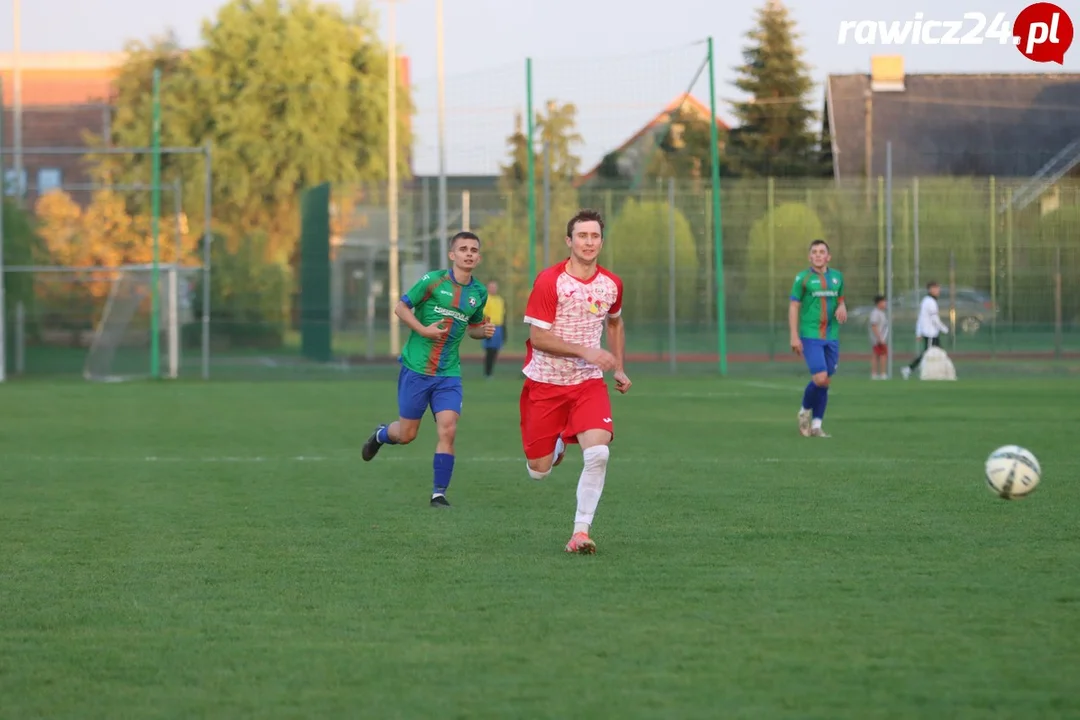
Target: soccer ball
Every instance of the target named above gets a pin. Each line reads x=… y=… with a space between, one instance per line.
x=1012 y=472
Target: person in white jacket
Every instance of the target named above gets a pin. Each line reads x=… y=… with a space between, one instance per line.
x=928 y=327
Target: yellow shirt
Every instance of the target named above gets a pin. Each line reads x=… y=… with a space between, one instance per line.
x=495 y=310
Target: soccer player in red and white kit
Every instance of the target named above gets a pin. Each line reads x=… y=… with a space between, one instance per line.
x=565 y=399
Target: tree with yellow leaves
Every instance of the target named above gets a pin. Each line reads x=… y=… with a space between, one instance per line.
x=102 y=235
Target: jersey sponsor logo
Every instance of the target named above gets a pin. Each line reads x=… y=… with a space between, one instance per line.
x=448 y=312
x=824 y=293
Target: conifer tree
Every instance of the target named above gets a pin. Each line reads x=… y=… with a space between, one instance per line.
x=774 y=134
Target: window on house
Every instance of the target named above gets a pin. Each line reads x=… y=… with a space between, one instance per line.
x=11 y=187
x=49 y=179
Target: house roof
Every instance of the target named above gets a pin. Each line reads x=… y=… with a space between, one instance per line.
x=687 y=103
x=1008 y=125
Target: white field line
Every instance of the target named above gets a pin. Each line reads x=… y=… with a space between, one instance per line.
x=354 y=458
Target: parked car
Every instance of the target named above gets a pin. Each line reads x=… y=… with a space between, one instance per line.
x=974 y=309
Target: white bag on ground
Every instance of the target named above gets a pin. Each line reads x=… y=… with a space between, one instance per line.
x=936 y=365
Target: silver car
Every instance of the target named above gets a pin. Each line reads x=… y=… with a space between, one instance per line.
x=974 y=309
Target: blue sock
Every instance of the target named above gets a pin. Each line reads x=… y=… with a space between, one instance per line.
x=810 y=395
x=444 y=468
x=822 y=401
x=383 y=436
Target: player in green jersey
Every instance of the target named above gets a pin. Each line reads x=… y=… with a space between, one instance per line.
x=440 y=309
x=817 y=309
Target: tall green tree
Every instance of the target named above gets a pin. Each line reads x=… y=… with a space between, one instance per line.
x=774 y=135
x=288 y=95
x=556 y=129
x=22 y=246
x=778 y=249
x=639 y=248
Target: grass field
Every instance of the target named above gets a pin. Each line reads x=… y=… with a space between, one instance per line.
x=219 y=550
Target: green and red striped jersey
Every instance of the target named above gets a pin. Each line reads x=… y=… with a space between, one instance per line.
x=437 y=296
x=818 y=295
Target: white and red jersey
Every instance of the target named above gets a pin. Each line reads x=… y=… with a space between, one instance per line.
x=575 y=311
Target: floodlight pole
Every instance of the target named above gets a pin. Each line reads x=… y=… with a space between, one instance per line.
x=530 y=169
x=889 y=248
x=17 y=139
x=155 y=211
x=208 y=209
x=717 y=228
x=3 y=297
x=392 y=181
x=440 y=73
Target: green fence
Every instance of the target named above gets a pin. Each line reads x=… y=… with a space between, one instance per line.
x=1010 y=273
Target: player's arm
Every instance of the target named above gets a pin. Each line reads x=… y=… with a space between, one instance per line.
x=793 y=313
x=616 y=340
x=540 y=311
x=477 y=324
x=543 y=339
x=540 y=315
x=936 y=319
x=616 y=330
x=405 y=309
x=793 y=318
x=841 y=304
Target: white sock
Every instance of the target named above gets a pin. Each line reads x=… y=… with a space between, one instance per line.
x=815 y=423
x=560 y=447
x=591 y=485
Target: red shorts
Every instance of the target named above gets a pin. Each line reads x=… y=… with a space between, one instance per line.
x=548 y=411
x=881 y=350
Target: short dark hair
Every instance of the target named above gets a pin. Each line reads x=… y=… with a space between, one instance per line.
x=932 y=284
x=464 y=235
x=878 y=298
x=819 y=241
x=585 y=215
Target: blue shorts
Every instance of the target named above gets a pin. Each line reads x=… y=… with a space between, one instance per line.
x=416 y=393
x=821 y=355
x=495 y=342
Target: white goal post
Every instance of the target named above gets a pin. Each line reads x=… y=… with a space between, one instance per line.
x=105 y=314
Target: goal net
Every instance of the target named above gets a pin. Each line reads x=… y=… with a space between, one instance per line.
x=102 y=319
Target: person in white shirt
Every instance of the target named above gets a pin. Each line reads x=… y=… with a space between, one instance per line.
x=928 y=327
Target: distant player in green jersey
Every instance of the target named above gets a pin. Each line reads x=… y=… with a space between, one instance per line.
x=439 y=309
x=814 y=317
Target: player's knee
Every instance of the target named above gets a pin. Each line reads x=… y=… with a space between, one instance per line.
x=406 y=434
x=539 y=468
x=447 y=433
x=596 y=457
x=821 y=379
